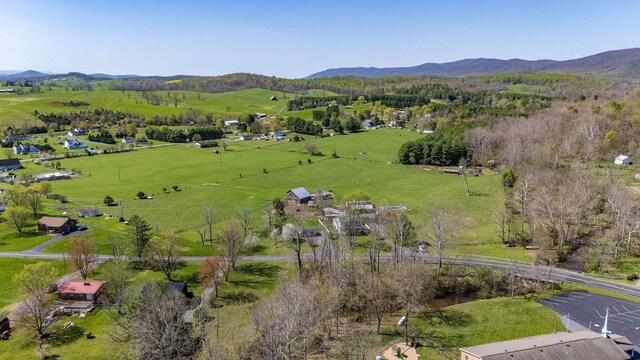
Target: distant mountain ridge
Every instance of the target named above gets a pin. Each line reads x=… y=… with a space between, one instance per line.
x=616 y=63
x=30 y=74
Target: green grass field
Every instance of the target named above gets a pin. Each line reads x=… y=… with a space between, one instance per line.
x=484 y=321
x=18 y=109
x=8 y=269
x=366 y=162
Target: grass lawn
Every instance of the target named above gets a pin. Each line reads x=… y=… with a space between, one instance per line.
x=480 y=322
x=11 y=240
x=256 y=278
x=8 y=269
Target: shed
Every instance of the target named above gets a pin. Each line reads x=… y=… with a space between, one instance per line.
x=232 y=123
x=10 y=164
x=206 y=144
x=299 y=195
x=623 y=160
x=88 y=212
x=79 y=290
x=4 y=324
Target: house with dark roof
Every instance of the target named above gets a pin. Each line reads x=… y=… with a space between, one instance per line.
x=128 y=141
x=10 y=164
x=206 y=144
x=581 y=345
x=23 y=149
x=299 y=195
x=56 y=225
x=79 y=290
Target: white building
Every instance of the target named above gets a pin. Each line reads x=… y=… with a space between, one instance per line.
x=623 y=160
x=73 y=144
x=231 y=123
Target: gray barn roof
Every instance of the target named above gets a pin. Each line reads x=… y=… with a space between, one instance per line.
x=301 y=193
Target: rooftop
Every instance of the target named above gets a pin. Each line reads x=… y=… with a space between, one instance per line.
x=53 y=221
x=581 y=345
x=301 y=193
x=80 y=286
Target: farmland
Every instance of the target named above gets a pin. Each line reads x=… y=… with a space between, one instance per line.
x=235 y=178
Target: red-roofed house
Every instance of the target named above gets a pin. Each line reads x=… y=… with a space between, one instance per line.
x=79 y=290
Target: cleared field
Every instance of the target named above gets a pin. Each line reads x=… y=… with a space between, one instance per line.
x=18 y=109
x=236 y=178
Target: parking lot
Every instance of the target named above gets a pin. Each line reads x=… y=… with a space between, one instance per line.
x=589 y=310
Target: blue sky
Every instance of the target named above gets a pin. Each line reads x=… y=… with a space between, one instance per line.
x=296 y=38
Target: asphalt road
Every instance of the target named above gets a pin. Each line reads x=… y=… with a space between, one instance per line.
x=525 y=270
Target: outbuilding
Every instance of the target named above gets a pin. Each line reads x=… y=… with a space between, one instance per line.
x=623 y=160
x=206 y=144
x=299 y=195
x=88 y=212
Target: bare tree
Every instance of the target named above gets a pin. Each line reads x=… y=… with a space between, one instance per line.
x=158 y=329
x=245 y=218
x=33 y=282
x=357 y=345
x=208 y=216
x=441 y=228
x=287 y=323
x=401 y=231
x=116 y=275
x=163 y=252
x=231 y=243
x=415 y=290
x=292 y=235
x=82 y=255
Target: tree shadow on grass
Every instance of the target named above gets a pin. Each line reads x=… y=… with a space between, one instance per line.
x=259 y=269
x=254 y=250
x=435 y=318
x=64 y=336
x=238 y=298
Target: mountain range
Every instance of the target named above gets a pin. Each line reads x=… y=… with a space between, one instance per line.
x=617 y=63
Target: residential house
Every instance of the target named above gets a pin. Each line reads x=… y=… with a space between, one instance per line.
x=10 y=164
x=299 y=195
x=206 y=144
x=73 y=144
x=56 y=225
x=23 y=149
x=80 y=290
x=14 y=138
x=232 y=123
x=76 y=132
x=580 y=345
x=623 y=160
x=259 y=115
x=88 y=212
x=128 y=141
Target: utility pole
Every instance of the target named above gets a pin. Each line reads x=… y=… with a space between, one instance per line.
x=121 y=209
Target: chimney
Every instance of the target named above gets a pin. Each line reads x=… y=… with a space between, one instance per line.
x=86 y=283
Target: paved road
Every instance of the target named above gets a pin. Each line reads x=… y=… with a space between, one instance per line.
x=54 y=239
x=525 y=270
